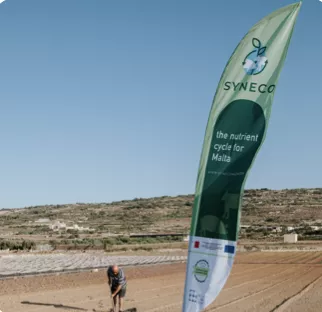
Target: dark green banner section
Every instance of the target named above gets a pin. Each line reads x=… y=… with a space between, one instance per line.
x=237 y=135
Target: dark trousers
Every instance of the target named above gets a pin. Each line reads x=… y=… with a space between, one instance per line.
x=121 y=292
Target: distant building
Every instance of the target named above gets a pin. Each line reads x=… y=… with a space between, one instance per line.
x=243 y=226
x=43 y=221
x=76 y=227
x=290 y=238
x=57 y=225
x=277 y=229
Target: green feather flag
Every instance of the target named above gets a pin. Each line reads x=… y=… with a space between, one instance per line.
x=235 y=131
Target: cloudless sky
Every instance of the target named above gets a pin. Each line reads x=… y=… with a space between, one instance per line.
x=107 y=100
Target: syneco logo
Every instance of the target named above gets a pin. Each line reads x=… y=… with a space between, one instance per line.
x=256 y=61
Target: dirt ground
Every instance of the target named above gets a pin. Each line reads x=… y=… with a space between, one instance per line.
x=259 y=282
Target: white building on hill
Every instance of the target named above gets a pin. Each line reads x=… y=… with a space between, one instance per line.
x=290 y=238
x=43 y=221
x=57 y=225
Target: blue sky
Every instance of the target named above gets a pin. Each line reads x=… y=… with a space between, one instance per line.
x=108 y=100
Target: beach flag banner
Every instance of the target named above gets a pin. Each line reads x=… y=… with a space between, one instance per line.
x=235 y=131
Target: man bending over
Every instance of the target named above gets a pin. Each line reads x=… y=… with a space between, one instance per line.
x=117 y=282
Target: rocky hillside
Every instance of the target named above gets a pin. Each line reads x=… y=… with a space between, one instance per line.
x=163 y=214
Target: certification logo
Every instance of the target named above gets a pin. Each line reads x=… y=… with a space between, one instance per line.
x=201 y=270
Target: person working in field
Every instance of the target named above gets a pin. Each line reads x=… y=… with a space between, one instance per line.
x=117 y=282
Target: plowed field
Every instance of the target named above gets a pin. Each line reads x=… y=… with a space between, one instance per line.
x=259 y=282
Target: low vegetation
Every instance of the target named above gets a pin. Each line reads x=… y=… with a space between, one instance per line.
x=266 y=215
x=16 y=245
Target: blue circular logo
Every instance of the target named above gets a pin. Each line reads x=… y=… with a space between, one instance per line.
x=256 y=61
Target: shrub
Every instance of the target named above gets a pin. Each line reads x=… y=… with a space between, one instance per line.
x=17 y=245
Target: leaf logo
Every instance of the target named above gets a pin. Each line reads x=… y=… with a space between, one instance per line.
x=256 y=61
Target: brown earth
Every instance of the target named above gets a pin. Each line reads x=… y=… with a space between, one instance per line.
x=260 y=281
